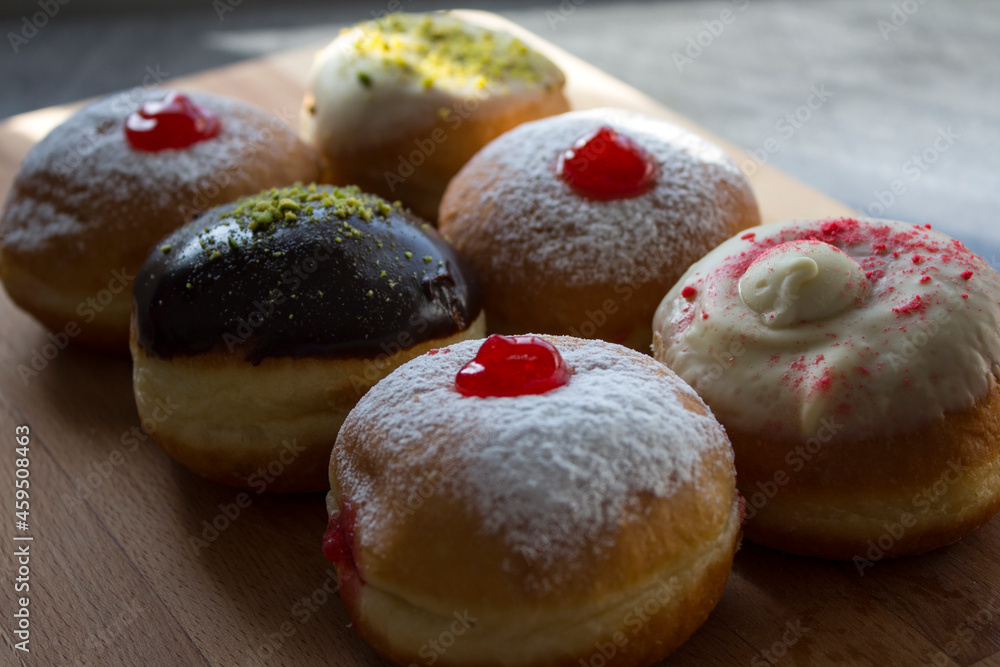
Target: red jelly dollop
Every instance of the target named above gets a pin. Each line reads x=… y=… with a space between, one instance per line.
x=513 y=366
x=607 y=165
x=173 y=122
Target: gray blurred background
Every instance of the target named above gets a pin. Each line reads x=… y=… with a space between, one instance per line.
x=904 y=91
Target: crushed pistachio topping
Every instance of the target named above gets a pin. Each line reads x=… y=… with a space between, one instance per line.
x=245 y=232
x=253 y=218
x=436 y=47
x=286 y=205
x=166 y=248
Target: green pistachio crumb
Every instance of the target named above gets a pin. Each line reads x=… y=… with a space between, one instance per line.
x=409 y=255
x=433 y=48
x=189 y=286
x=267 y=210
x=365 y=79
x=166 y=248
x=370 y=293
x=428 y=259
x=214 y=256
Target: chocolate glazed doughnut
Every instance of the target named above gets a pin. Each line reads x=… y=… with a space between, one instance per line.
x=265 y=321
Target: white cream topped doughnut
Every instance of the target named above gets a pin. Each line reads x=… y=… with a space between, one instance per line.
x=881 y=324
x=562 y=259
x=546 y=517
x=853 y=363
x=398 y=104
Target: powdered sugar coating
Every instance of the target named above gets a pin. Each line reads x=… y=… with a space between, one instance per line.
x=86 y=164
x=587 y=242
x=920 y=339
x=551 y=473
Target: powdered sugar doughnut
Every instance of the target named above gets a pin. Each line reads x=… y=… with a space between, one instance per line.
x=87 y=206
x=553 y=257
x=547 y=518
x=854 y=364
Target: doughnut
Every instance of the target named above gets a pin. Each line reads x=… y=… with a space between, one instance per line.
x=578 y=224
x=399 y=104
x=531 y=500
x=93 y=197
x=853 y=363
x=263 y=321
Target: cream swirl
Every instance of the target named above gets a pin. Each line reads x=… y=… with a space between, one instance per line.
x=801 y=281
x=867 y=327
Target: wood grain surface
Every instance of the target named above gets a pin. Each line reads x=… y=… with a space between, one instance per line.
x=135 y=561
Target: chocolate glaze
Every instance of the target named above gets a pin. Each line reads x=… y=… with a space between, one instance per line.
x=326 y=284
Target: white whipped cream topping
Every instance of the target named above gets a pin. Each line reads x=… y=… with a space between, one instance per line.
x=801 y=281
x=868 y=328
x=360 y=98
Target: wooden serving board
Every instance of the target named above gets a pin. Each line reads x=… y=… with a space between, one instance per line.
x=117 y=576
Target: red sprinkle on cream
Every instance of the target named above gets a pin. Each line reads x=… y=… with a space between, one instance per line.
x=689 y=292
x=915 y=305
x=966 y=275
